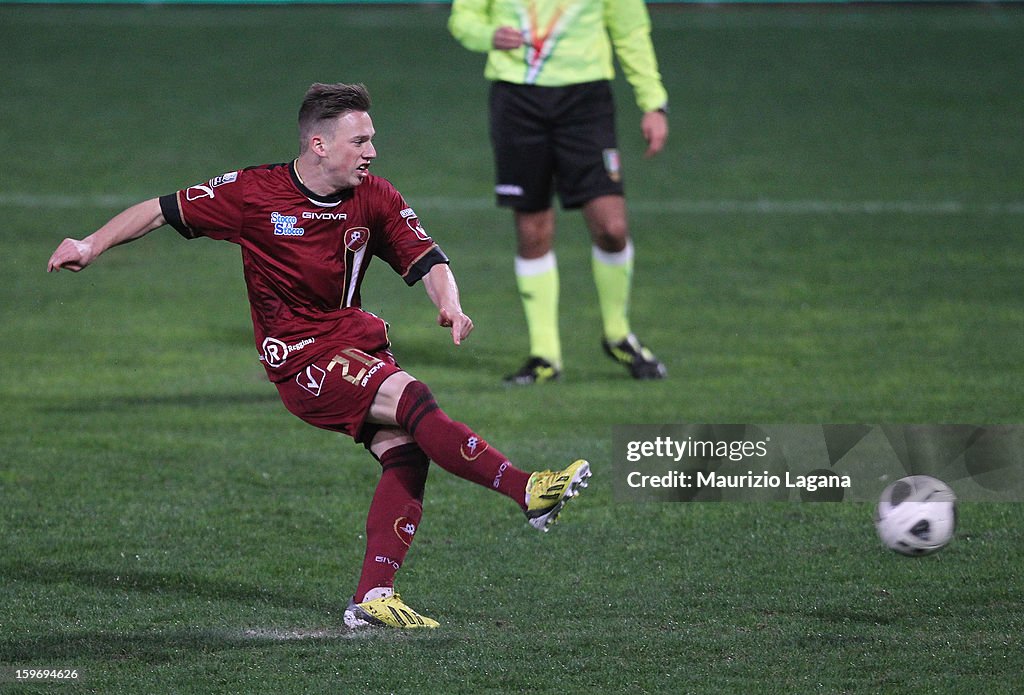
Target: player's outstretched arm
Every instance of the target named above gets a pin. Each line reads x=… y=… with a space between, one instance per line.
x=444 y=293
x=135 y=222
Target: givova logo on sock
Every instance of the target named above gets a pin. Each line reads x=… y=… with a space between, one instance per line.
x=472 y=447
x=405 y=529
x=501 y=471
x=385 y=560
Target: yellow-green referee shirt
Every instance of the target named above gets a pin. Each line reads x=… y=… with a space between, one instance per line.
x=566 y=42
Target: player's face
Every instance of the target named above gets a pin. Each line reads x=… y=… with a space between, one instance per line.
x=350 y=149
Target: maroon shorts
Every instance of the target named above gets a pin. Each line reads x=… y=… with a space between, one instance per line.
x=335 y=393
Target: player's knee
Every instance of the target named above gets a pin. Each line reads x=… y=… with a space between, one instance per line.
x=535 y=233
x=416 y=403
x=612 y=236
x=388 y=442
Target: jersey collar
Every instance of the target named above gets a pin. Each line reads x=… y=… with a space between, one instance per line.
x=328 y=201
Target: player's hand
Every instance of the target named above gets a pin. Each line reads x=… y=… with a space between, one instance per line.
x=654 y=126
x=460 y=324
x=507 y=38
x=72 y=254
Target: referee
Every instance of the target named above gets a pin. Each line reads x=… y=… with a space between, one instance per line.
x=552 y=121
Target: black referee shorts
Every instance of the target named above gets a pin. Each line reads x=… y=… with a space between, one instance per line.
x=549 y=139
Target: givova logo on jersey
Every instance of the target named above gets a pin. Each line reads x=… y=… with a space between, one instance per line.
x=414 y=224
x=200 y=190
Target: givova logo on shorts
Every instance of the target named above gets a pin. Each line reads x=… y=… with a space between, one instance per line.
x=311 y=379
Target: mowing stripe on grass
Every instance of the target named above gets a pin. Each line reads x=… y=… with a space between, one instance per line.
x=762 y=206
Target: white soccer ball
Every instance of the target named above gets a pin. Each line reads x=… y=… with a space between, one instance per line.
x=916 y=515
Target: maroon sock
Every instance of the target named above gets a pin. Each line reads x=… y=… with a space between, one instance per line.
x=394 y=516
x=455 y=447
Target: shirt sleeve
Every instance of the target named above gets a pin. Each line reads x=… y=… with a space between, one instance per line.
x=629 y=26
x=211 y=209
x=470 y=23
x=409 y=250
x=423 y=264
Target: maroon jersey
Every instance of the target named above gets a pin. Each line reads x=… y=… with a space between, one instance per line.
x=304 y=256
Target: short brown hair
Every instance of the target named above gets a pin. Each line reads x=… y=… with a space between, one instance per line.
x=327 y=101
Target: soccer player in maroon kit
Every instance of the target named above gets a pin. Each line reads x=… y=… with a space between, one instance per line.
x=308 y=230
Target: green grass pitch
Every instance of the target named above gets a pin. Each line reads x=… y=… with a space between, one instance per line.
x=833 y=236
